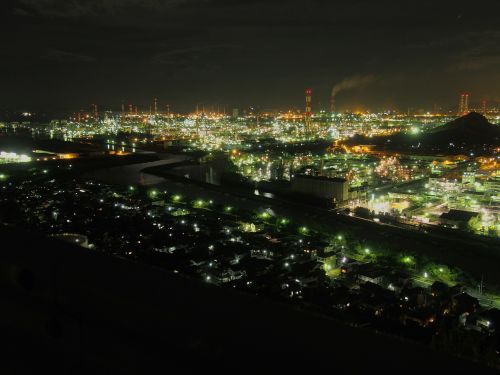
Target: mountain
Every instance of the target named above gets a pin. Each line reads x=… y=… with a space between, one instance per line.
x=471 y=129
x=469 y=133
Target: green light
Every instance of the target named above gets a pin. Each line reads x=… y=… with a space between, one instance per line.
x=131 y=188
x=176 y=198
x=284 y=221
x=3 y=176
x=303 y=230
x=407 y=260
x=339 y=238
x=228 y=208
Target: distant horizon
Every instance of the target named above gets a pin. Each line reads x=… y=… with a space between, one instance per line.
x=163 y=107
x=65 y=55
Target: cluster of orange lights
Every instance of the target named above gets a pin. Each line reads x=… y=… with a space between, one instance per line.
x=119 y=153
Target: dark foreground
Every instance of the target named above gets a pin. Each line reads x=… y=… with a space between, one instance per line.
x=71 y=310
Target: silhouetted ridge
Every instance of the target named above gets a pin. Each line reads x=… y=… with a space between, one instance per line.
x=471 y=129
x=466 y=133
x=473 y=123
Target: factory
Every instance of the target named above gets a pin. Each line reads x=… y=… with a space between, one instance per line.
x=336 y=189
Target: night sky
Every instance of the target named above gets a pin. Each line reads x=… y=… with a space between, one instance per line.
x=67 y=54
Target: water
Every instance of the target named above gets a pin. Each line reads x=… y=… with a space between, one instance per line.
x=132 y=174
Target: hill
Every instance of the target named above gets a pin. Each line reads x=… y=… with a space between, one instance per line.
x=469 y=133
x=471 y=129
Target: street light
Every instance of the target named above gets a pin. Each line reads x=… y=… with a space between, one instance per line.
x=264 y=215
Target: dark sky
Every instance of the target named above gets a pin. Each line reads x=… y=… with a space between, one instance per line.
x=66 y=54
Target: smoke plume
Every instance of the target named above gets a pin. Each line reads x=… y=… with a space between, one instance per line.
x=348 y=84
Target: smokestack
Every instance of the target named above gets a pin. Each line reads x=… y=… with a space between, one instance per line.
x=332 y=104
x=308 y=111
x=461 y=105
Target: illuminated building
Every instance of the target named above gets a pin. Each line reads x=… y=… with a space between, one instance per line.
x=468 y=178
x=12 y=157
